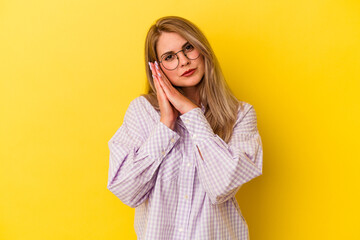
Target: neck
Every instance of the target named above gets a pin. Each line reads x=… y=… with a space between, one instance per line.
x=193 y=94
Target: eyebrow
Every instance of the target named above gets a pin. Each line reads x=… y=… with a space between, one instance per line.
x=173 y=51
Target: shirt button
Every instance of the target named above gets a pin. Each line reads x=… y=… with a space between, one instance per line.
x=186 y=120
x=186 y=196
x=194 y=136
x=189 y=164
x=172 y=140
x=163 y=153
x=180 y=229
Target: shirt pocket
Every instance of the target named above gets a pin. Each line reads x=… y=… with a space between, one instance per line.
x=170 y=165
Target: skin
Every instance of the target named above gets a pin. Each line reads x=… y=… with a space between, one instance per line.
x=171 y=101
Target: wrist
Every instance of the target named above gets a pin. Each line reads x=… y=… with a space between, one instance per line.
x=189 y=109
x=169 y=124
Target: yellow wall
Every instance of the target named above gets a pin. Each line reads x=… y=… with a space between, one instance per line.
x=68 y=70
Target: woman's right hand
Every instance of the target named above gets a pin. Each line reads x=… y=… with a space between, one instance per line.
x=168 y=113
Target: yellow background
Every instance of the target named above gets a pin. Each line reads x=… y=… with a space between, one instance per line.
x=69 y=69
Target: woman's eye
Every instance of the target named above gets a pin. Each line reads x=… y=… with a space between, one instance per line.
x=169 y=57
x=189 y=47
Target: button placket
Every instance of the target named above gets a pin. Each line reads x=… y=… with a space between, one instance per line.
x=185 y=188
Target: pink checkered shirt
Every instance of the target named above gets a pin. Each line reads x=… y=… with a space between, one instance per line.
x=182 y=182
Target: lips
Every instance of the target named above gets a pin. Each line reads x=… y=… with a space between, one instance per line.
x=190 y=70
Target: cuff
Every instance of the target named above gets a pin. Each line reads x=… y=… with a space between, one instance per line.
x=160 y=141
x=197 y=124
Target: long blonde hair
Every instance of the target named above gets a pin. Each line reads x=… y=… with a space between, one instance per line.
x=221 y=106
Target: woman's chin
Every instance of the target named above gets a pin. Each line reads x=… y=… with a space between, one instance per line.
x=189 y=82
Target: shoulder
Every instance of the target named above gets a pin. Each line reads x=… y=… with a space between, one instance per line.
x=140 y=104
x=139 y=118
x=141 y=109
x=246 y=113
x=245 y=107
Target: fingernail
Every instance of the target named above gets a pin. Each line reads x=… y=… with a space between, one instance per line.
x=150 y=66
x=159 y=74
x=156 y=63
x=157 y=67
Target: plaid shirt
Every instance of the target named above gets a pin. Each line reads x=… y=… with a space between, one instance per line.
x=182 y=182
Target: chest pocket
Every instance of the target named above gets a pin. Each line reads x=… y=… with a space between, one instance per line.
x=170 y=165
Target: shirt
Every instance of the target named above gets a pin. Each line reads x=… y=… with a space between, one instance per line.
x=182 y=182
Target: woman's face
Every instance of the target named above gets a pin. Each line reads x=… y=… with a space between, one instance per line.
x=171 y=41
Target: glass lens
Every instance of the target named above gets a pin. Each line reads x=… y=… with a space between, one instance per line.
x=191 y=52
x=171 y=61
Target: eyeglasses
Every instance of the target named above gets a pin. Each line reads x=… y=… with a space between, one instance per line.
x=169 y=61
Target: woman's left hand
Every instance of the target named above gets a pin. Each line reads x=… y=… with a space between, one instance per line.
x=179 y=101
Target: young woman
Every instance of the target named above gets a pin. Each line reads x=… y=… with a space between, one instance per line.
x=187 y=146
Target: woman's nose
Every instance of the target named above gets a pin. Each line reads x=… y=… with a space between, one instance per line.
x=183 y=60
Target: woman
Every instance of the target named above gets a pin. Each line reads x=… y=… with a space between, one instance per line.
x=186 y=147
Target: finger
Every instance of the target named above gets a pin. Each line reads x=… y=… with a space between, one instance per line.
x=159 y=89
x=155 y=76
x=153 y=69
x=157 y=69
x=164 y=78
x=164 y=87
x=151 y=66
x=157 y=86
x=157 y=73
x=155 y=83
x=160 y=73
x=165 y=84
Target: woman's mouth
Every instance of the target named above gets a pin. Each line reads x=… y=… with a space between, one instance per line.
x=189 y=73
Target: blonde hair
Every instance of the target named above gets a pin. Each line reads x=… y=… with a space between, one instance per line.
x=221 y=106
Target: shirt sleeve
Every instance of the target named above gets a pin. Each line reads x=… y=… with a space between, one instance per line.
x=135 y=157
x=224 y=167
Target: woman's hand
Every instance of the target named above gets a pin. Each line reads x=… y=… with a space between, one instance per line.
x=168 y=113
x=179 y=101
